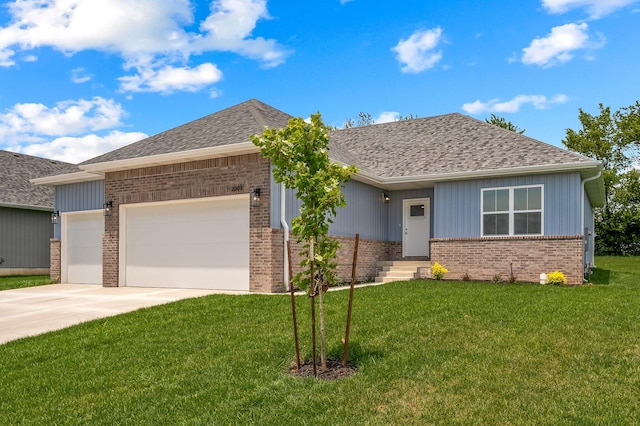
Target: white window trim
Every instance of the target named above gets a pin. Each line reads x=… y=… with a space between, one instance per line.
x=512 y=211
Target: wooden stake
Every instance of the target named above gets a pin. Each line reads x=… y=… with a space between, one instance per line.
x=293 y=306
x=353 y=282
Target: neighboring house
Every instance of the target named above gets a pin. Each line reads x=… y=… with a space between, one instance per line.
x=25 y=213
x=197 y=206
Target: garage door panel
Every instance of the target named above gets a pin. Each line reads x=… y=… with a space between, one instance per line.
x=183 y=256
x=198 y=244
x=147 y=233
x=83 y=247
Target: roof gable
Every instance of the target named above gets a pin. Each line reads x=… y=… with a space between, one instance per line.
x=230 y=126
x=15 y=174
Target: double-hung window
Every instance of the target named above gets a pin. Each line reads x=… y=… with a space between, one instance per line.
x=516 y=210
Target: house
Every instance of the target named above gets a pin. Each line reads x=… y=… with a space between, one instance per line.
x=25 y=213
x=197 y=205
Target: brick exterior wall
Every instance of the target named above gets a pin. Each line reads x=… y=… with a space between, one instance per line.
x=483 y=258
x=190 y=180
x=55 y=259
x=369 y=253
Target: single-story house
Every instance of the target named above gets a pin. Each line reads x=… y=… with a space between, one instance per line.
x=26 y=213
x=197 y=205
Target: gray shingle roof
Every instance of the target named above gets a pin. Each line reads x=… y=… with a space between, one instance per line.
x=445 y=144
x=448 y=143
x=15 y=172
x=227 y=127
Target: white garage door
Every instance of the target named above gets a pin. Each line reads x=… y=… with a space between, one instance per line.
x=186 y=244
x=82 y=247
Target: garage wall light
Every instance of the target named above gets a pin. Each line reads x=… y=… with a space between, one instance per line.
x=255 y=197
x=54 y=217
x=107 y=208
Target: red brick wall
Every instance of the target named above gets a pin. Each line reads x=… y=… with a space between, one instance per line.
x=196 y=179
x=55 y=260
x=483 y=258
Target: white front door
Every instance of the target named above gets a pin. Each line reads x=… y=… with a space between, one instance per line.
x=415 y=239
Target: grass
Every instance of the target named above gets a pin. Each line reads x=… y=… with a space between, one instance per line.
x=427 y=353
x=7 y=283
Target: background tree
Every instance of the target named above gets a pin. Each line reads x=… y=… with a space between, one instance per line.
x=365 y=119
x=613 y=139
x=496 y=120
x=300 y=154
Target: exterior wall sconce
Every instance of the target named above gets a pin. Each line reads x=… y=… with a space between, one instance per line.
x=386 y=197
x=107 y=208
x=54 y=217
x=255 y=198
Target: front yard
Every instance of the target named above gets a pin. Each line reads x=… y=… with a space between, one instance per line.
x=427 y=353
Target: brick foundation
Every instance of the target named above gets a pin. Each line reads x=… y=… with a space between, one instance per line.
x=369 y=253
x=55 y=259
x=483 y=258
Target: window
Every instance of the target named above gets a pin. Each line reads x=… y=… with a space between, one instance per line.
x=512 y=211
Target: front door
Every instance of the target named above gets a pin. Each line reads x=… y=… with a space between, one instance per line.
x=415 y=239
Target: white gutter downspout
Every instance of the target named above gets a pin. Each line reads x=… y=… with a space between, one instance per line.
x=584 y=181
x=285 y=226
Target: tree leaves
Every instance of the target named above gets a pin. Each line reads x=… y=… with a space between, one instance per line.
x=300 y=154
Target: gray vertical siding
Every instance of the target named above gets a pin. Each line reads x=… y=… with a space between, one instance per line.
x=394 y=226
x=78 y=197
x=365 y=213
x=457 y=206
x=24 y=238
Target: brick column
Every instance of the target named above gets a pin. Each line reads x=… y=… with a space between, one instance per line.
x=55 y=259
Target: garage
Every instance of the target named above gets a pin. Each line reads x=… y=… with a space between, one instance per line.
x=82 y=247
x=202 y=243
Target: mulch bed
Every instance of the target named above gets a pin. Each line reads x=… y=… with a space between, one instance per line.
x=335 y=370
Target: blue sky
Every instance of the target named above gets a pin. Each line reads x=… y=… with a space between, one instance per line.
x=82 y=77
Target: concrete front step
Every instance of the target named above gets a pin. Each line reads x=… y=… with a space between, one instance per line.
x=399 y=270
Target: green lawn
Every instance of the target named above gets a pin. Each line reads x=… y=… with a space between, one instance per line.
x=427 y=353
x=7 y=283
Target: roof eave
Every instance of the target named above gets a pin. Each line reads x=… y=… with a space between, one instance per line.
x=586 y=169
x=26 y=207
x=66 y=178
x=171 y=158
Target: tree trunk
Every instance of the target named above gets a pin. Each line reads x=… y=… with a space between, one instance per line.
x=323 y=351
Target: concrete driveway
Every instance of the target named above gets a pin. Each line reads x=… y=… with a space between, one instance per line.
x=35 y=310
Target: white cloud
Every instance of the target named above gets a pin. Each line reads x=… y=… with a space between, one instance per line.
x=417 y=53
x=387 y=117
x=158 y=31
x=80 y=75
x=345 y=1
x=78 y=149
x=72 y=130
x=67 y=117
x=513 y=105
x=559 y=45
x=595 y=8
x=169 y=79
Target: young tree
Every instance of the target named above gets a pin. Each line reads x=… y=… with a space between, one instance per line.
x=613 y=139
x=300 y=154
x=496 y=120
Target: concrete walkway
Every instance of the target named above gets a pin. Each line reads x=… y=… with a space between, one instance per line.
x=35 y=310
